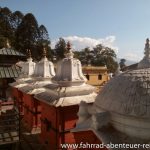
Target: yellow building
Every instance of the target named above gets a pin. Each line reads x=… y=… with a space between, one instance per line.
x=96 y=76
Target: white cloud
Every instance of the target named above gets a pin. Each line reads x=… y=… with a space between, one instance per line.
x=132 y=56
x=79 y=43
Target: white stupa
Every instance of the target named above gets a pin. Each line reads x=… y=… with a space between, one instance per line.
x=34 y=75
x=44 y=68
x=121 y=111
x=69 y=87
x=27 y=72
x=43 y=72
x=28 y=67
x=69 y=72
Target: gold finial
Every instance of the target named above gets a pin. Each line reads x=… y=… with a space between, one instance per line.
x=69 y=53
x=28 y=53
x=68 y=46
x=8 y=44
x=147 y=40
x=44 y=52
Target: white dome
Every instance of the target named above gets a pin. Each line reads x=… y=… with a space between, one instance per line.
x=127 y=94
x=126 y=98
x=122 y=108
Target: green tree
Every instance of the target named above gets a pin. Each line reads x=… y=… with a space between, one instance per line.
x=6 y=31
x=16 y=19
x=23 y=33
x=43 y=34
x=122 y=64
x=27 y=35
x=104 y=56
x=85 y=56
x=44 y=41
x=60 y=49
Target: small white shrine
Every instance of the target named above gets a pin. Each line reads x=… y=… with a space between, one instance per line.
x=34 y=75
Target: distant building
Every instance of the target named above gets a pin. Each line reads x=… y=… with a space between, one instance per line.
x=96 y=76
x=131 y=67
x=8 y=69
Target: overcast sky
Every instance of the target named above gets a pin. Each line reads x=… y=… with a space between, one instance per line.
x=121 y=24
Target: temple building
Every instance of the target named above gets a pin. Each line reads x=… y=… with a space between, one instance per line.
x=9 y=117
x=27 y=71
x=33 y=77
x=60 y=103
x=121 y=111
x=51 y=101
x=9 y=70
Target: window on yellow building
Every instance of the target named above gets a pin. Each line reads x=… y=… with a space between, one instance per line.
x=99 y=77
x=1 y=83
x=87 y=76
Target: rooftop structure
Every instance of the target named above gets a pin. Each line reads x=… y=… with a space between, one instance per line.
x=9 y=56
x=33 y=74
x=96 y=76
x=8 y=68
x=121 y=108
x=145 y=62
x=44 y=68
x=68 y=87
x=53 y=104
x=28 y=67
x=33 y=77
x=10 y=71
x=27 y=71
x=69 y=71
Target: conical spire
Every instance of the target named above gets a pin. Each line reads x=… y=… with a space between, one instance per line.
x=69 y=53
x=44 y=68
x=68 y=46
x=44 y=52
x=145 y=62
x=29 y=53
x=28 y=66
x=147 y=43
x=147 y=50
x=8 y=44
